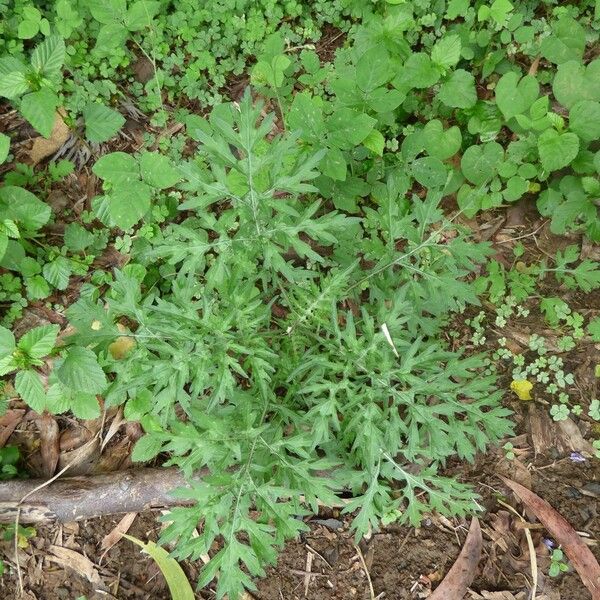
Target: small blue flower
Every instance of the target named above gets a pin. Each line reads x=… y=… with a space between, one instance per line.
x=576 y=457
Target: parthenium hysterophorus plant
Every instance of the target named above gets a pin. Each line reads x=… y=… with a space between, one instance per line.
x=290 y=351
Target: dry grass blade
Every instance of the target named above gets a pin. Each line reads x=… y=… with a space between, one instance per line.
x=454 y=586
x=579 y=554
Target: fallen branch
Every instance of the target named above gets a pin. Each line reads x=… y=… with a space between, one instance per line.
x=79 y=498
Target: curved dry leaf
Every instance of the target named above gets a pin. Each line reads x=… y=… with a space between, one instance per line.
x=109 y=540
x=578 y=553
x=454 y=586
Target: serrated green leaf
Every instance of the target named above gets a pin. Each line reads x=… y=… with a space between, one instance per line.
x=146 y=448
x=84 y=406
x=77 y=238
x=57 y=272
x=7 y=342
x=446 y=52
x=22 y=207
x=48 y=56
x=29 y=386
x=4 y=147
x=81 y=372
x=39 y=341
x=39 y=108
x=101 y=122
x=13 y=84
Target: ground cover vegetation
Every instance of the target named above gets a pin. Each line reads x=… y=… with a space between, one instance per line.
x=295 y=255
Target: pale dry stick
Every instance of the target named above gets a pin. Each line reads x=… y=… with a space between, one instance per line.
x=531 y=547
x=311 y=549
x=525 y=235
x=366 y=570
x=308 y=572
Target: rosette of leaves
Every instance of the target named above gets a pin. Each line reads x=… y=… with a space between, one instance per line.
x=263 y=353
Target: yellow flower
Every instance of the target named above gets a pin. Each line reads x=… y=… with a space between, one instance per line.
x=522 y=388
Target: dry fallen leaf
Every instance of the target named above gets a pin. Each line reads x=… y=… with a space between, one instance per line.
x=8 y=423
x=77 y=562
x=578 y=553
x=42 y=147
x=108 y=541
x=461 y=574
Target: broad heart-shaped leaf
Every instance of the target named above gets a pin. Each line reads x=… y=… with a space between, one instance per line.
x=271 y=72
x=419 y=71
x=129 y=203
x=439 y=143
x=176 y=579
x=117 y=168
x=565 y=43
x=39 y=108
x=107 y=11
x=39 y=341
x=57 y=272
x=348 y=128
x=459 y=90
x=514 y=95
x=429 y=171
x=334 y=164
x=48 y=57
x=373 y=69
x=111 y=36
x=375 y=142
x=22 y=207
x=81 y=372
x=140 y=14
x=101 y=122
x=157 y=171
x=7 y=342
x=557 y=150
x=29 y=386
x=446 y=52
x=574 y=82
x=479 y=163
x=584 y=120
x=306 y=116
x=4 y=147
